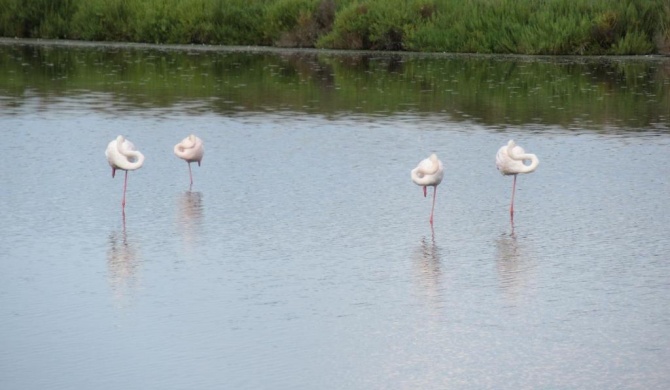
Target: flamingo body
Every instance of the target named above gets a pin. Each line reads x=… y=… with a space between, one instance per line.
x=190 y=149
x=428 y=173
x=510 y=160
x=121 y=154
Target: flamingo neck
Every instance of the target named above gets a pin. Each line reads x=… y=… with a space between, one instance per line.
x=134 y=159
x=190 y=143
x=187 y=143
x=534 y=161
x=434 y=167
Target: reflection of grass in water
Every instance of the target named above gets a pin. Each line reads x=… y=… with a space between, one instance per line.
x=490 y=90
x=482 y=26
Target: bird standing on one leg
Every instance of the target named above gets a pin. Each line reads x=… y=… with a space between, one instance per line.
x=510 y=160
x=121 y=154
x=190 y=149
x=429 y=172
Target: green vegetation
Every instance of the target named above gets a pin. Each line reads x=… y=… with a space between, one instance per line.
x=481 y=26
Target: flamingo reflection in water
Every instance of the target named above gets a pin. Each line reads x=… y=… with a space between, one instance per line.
x=122 y=266
x=190 y=215
x=428 y=270
x=515 y=266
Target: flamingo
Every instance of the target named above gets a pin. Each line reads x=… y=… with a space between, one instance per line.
x=510 y=160
x=429 y=172
x=121 y=154
x=190 y=149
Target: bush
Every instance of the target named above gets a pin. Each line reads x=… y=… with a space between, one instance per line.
x=36 y=18
x=483 y=26
x=106 y=20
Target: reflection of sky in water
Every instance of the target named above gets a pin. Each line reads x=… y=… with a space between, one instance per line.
x=313 y=250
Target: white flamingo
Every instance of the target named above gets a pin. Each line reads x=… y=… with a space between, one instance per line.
x=510 y=160
x=429 y=172
x=121 y=154
x=190 y=149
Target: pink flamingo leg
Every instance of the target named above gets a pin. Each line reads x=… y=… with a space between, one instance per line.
x=424 y=191
x=125 y=184
x=190 y=174
x=511 y=207
x=433 y=209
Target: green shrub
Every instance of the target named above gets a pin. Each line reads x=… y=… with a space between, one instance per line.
x=107 y=20
x=36 y=18
x=292 y=22
x=482 y=26
x=238 y=22
x=633 y=43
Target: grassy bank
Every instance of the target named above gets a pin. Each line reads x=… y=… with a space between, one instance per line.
x=481 y=26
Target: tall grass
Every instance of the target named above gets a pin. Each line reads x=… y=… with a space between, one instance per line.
x=36 y=18
x=481 y=26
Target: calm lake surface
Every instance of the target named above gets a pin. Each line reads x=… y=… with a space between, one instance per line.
x=302 y=257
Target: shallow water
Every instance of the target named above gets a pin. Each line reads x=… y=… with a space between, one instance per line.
x=302 y=256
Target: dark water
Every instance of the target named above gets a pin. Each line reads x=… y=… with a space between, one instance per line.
x=302 y=257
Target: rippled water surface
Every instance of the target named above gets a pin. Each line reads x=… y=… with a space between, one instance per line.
x=302 y=256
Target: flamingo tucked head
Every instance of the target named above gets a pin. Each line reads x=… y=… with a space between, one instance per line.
x=121 y=154
x=429 y=172
x=190 y=149
x=511 y=158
